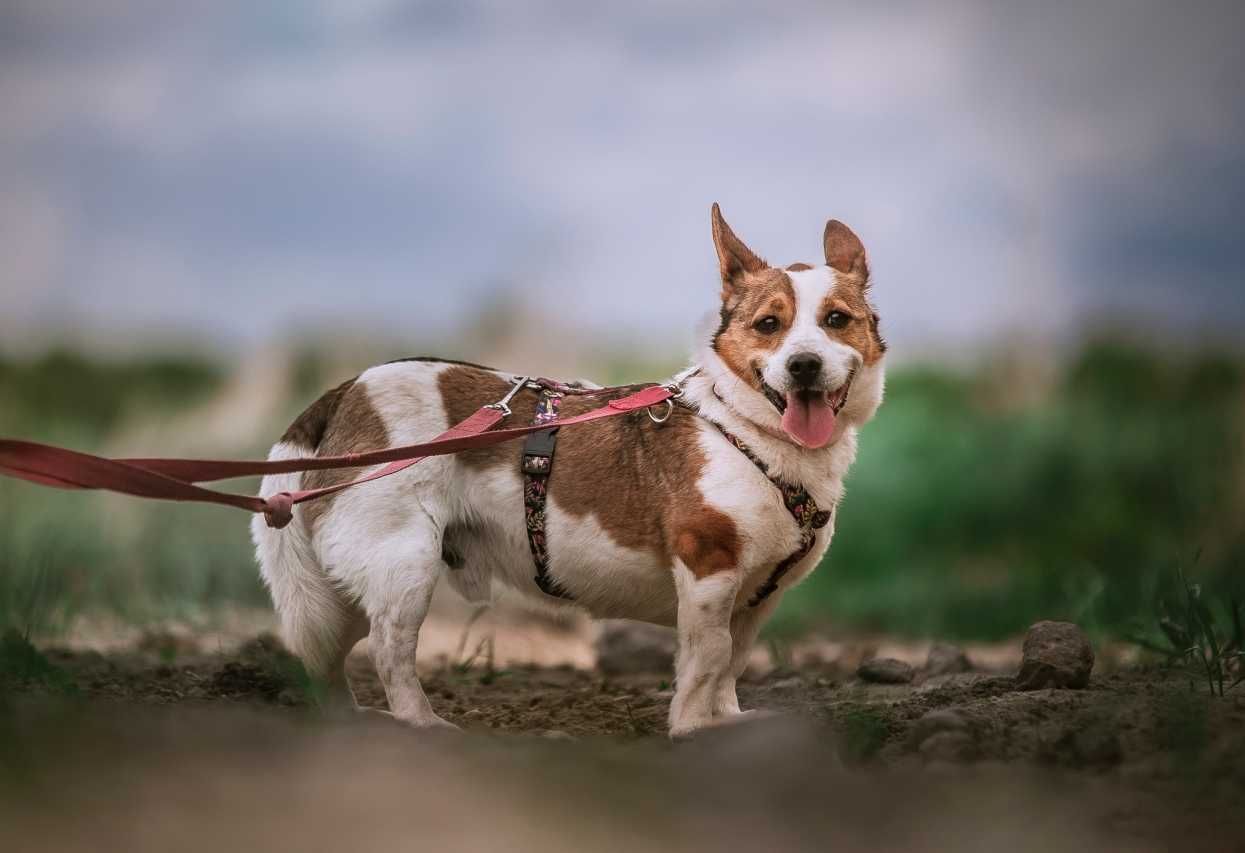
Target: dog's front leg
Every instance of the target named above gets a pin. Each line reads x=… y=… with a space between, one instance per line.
x=745 y=625
x=703 y=665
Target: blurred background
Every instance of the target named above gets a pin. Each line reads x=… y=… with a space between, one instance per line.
x=211 y=212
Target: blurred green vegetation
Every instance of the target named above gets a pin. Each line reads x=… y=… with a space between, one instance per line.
x=982 y=500
x=61 y=552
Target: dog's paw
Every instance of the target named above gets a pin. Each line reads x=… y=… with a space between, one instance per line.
x=687 y=730
x=423 y=723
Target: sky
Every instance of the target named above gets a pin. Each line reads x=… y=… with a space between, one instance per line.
x=232 y=173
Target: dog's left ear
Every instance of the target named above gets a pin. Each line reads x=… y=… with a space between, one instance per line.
x=844 y=251
x=734 y=258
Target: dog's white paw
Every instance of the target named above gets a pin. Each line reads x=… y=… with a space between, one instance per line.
x=687 y=730
x=433 y=722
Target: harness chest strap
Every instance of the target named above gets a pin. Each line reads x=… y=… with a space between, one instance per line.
x=803 y=508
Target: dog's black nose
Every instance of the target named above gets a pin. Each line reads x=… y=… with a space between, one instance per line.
x=804 y=368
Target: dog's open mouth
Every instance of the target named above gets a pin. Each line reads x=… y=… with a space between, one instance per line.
x=809 y=416
x=778 y=401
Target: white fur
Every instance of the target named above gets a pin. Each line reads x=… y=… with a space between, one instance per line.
x=376 y=554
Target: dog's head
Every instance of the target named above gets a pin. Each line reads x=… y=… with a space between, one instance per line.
x=798 y=348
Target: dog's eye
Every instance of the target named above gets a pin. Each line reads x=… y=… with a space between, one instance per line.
x=766 y=325
x=837 y=319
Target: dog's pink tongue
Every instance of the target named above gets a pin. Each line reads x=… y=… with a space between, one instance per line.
x=808 y=419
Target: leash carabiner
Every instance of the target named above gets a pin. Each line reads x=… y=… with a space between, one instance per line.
x=502 y=405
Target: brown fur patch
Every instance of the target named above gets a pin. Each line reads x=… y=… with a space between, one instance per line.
x=798 y=267
x=735 y=259
x=354 y=427
x=308 y=428
x=637 y=479
x=844 y=251
x=861 y=333
x=758 y=295
x=707 y=542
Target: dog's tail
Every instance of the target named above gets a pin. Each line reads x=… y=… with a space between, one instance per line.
x=313 y=613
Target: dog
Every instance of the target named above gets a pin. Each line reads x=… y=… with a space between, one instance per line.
x=700 y=520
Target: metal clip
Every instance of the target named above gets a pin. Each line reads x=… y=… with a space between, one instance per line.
x=675 y=385
x=502 y=405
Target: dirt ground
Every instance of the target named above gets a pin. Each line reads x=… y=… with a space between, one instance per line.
x=151 y=743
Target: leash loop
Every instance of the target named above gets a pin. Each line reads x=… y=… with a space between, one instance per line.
x=279 y=510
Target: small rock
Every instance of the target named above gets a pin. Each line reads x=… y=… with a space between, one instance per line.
x=940 y=720
x=625 y=647
x=1055 y=654
x=946 y=659
x=557 y=734
x=885 y=671
x=949 y=746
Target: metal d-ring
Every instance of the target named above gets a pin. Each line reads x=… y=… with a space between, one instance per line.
x=665 y=417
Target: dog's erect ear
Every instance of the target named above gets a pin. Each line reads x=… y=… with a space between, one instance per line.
x=844 y=251
x=734 y=258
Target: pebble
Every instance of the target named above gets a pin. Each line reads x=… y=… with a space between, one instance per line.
x=625 y=647
x=1055 y=654
x=885 y=671
x=946 y=659
x=956 y=747
x=556 y=734
x=939 y=720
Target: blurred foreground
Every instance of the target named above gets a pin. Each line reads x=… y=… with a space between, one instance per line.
x=151 y=749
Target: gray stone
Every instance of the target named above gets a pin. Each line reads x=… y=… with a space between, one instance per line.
x=1055 y=654
x=955 y=747
x=946 y=659
x=939 y=720
x=557 y=734
x=885 y=671
x=626 y=648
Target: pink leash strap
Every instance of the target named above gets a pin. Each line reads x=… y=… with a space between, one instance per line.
x=175 y=479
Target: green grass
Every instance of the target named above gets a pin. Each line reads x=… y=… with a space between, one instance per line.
x=1206 y=636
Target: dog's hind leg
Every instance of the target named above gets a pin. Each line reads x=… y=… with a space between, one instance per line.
x=402 y=571
x=319 y=622
x=703 y=665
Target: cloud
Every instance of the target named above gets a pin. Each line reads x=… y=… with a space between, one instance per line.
x=331 y=161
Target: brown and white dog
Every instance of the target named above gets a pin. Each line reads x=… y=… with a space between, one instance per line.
x=668 y=523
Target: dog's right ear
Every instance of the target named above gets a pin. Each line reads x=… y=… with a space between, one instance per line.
x=734 y=258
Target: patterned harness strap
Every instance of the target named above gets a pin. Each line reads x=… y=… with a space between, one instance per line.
x=537 y=465
x=802 y=506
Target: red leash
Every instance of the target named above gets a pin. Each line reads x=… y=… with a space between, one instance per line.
x=175 y=479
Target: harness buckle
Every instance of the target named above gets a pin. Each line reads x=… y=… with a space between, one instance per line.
x=538 y=451
x=502 y=405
